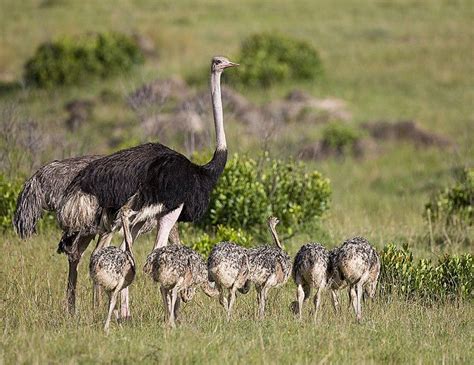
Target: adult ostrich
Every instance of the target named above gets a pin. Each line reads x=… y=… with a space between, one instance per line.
x=152 y=179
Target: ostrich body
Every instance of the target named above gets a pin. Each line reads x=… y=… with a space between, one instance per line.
x=270 y=267
x=228 y=267
x=179 y=270
x=310 y=270
x=356 y=265
x=155 y=181
x=113 y=269
x=44 y=191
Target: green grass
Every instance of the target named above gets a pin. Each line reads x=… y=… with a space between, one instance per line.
x=388 y=59
x=36 y=330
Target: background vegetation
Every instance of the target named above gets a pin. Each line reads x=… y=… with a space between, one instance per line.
x=388 y=61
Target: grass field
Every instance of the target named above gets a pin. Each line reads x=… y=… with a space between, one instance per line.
x=388 y=60
x=35 y=329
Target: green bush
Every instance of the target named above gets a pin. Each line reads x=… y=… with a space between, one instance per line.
x=248 y=192
x=452 y=276
x=340 y=137
x=270 y=58
x=8 y=194
x=206 y=242
x=454 y=205
x=69 y=60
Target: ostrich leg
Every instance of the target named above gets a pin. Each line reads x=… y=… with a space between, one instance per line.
x=300 y=298
x=317 y=302
x=124 y=295
x=80 y=245
x=165 y=223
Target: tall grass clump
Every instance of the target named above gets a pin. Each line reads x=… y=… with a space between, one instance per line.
x=267 y=58
x=450 y=212
x=69 y=60
x=451 y=277
x=249 y=191
x=454 y=205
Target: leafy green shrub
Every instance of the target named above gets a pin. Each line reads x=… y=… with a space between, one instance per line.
x=206 y=242
x=454 y=205
x=451 y=277
x=248 y=192
x=8 y=194
x=69 y=60
x=340 y=137
x=270 y=58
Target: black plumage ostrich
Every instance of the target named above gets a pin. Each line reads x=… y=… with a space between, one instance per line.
x=152 y=179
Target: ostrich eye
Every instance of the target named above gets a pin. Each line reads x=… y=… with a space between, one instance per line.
x=218 y=61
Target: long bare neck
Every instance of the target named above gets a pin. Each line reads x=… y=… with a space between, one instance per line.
x=219 y=160
x=276 y=240
x=221 y=143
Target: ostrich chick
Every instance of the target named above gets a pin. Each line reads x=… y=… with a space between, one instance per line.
x=179 y=270
x=228 y=267
x=356 y=265
x=270 y=267
x=112 y=268
x=310 y=270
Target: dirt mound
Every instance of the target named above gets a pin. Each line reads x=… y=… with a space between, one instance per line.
x=405 y=131
x=299 y=106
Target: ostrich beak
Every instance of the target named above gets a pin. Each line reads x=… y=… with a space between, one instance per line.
x=231 y=64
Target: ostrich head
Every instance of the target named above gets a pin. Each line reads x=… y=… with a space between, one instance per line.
x=220 y=63
x=273 y=221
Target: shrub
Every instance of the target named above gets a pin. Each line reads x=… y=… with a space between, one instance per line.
x=452 y=277
x=340 y=137
x=206 y=242
x=454 y=205
x=248 y=192
x=270 y=58
x=8 y=194
x=69 y=60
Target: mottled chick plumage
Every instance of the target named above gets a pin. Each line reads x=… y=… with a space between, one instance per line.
x=225 y=262
x=267 y=260
x=109 y=265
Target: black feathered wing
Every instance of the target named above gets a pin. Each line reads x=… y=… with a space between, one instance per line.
x=156 y=174
x=115 y=178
